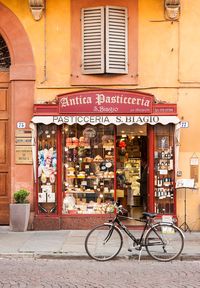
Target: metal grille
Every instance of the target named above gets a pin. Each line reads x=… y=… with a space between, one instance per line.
x=4 y=55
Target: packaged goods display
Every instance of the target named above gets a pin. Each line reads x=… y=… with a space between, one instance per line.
x=84 y=169
x=47 y=169
x=88 y=169
x=164 y=171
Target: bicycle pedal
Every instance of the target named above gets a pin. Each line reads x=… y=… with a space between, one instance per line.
x=138 y=248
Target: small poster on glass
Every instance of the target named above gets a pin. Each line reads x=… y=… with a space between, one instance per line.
x=163 y=142
x=42 y=197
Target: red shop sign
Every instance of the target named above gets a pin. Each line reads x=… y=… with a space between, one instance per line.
x=108 y=102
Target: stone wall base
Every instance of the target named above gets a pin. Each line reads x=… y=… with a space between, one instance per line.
x=71 y=222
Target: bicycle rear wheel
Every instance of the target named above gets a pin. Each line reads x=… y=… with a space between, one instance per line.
x=103 y=242
x=164 y=242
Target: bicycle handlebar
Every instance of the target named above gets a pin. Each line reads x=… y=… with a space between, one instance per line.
x=120 y=209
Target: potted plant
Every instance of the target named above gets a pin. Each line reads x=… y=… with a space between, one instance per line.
x=20 y=211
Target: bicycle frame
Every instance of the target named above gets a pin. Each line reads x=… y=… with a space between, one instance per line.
x=148 y=225
x=117 y=221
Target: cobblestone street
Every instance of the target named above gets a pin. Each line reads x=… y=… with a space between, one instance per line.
x=125 y=273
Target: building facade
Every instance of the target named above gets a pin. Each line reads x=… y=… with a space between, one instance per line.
x=99 y=103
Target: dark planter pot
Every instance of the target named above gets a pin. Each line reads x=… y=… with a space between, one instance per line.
x=19 y=217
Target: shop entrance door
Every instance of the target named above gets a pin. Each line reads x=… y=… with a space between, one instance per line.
x=131 y=161
x=4 y=150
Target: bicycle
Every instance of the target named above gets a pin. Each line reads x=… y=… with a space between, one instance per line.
x=163 y=241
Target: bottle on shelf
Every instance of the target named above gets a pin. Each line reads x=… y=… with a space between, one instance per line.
x=163 y=154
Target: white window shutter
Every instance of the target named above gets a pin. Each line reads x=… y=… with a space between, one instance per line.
x=116 y=40
x=93 y=40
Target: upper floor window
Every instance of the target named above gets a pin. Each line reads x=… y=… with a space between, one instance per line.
x=4 y=55
x=104 y=40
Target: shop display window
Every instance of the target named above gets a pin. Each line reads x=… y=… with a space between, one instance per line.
x=100 y=164
x=164 y=169
x=47 y=169
x=88 y=169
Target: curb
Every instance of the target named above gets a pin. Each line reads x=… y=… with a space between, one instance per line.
x=65 y=256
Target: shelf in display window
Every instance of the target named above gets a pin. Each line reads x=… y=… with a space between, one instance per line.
x=87 y=160
x=79 y=192
x=108 y=192
x=81 y=177
x=108 y=147
x=72 y=147
x=164 y=186
x=109 y=159
x=86 y=147
x=91 y=177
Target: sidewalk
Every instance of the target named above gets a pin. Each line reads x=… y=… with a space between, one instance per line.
x=70 y=244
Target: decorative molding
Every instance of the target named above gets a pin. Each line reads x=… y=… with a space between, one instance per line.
x=36 y=7
x=172 y=9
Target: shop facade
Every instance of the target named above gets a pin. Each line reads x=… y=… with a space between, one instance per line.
x=41 y=58
x=91 y=146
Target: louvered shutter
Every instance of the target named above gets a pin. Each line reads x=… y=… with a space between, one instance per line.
x=93 y=40
x=116 y=40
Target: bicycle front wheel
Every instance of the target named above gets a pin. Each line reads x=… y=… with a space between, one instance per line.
x=164 y=242
x=103 y=242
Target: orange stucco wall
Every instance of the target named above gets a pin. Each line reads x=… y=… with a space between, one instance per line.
x=168 y=67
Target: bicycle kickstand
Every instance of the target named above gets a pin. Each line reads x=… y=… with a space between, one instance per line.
x=140 y=253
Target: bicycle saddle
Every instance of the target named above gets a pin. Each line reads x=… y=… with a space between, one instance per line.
x=151 y=215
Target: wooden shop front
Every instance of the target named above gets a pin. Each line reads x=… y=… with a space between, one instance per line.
x=91 y=149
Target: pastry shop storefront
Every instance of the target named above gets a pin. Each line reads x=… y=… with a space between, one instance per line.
x=93 y=148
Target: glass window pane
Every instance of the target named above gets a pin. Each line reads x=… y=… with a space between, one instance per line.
x=88 y=169
x=47 y=169
x=164 y=169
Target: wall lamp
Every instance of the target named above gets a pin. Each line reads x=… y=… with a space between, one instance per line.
x=172 y=9
x=36 y=7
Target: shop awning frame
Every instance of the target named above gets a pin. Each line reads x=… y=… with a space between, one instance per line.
x=105 y=120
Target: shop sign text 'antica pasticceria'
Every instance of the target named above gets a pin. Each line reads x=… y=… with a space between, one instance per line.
x=108 y=102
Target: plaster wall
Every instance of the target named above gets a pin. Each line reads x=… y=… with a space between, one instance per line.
x=168 y=66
